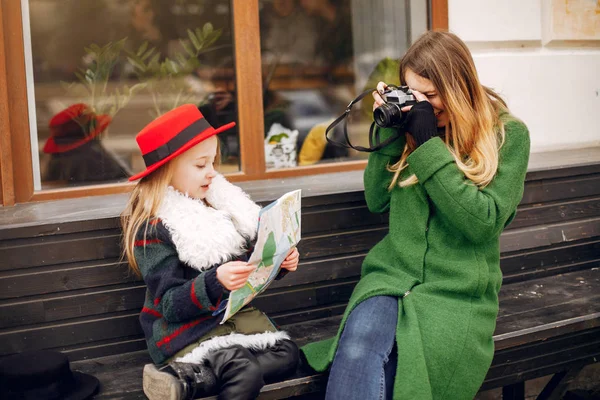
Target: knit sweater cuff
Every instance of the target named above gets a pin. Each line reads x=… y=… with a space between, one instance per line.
x=214 y=289
x=428 y=158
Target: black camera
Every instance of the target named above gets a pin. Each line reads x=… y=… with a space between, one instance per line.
x=390 y=114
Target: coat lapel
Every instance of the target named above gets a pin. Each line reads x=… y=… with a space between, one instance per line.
x=203 y=235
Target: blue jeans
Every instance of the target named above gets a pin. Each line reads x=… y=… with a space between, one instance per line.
x=364 y=366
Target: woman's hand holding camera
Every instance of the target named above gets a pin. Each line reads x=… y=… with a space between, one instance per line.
x=421 y=122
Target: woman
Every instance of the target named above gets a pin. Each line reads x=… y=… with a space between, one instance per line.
x=420 y=321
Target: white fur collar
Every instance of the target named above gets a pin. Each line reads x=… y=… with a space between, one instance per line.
x=205 y=236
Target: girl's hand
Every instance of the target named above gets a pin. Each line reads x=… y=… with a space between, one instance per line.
x=234 y=274
x=291 y=261
x=381 y=87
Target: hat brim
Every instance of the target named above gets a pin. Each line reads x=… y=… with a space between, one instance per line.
x=197 y=139
x=102 y=122
x=85 y=387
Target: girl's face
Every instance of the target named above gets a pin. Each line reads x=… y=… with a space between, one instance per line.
x=193 y=170
x=425 y=86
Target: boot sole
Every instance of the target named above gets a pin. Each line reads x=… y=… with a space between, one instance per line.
x=160 y=385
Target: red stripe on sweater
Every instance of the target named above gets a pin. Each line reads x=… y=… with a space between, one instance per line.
x=151 y=312
x=193 y=295
x=157 y=301
x=179 y=331
x=155 y=221
x=144 y=242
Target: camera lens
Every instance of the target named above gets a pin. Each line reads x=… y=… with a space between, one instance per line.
x=387 y=115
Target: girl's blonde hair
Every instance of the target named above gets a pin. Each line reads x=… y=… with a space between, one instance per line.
x=475 y=131
x=143 y=205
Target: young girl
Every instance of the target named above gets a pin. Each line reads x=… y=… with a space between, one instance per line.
x=187 y=232
x=419 y=324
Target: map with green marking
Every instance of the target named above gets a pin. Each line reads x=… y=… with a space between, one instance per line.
x=278 y=234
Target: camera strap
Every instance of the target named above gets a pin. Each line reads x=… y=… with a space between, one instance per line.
x=374 y=140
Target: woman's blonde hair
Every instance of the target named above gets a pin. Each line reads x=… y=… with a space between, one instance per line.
x=143 y=205
x=475 y=131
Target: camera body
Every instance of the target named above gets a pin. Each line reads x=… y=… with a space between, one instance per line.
x=390 y=114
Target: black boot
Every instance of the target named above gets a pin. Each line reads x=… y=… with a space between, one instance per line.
x=238 y=373
x=279 y=361
x=198 y=379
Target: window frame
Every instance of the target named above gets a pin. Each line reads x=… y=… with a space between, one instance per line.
x=16 y=166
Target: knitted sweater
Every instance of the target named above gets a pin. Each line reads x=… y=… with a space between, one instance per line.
x=178 y=254
x=441 y=260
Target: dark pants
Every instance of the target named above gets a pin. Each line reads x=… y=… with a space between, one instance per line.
x=364 y=365
x=241 y=372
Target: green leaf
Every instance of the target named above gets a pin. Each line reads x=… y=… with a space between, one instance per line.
x=182 y=60
x=142 y=49
x=208 y=28
x=187 y=48
x=148 y=54
x=137 y=64
x=194 y=40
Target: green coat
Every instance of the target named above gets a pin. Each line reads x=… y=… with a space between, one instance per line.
x=442 y=246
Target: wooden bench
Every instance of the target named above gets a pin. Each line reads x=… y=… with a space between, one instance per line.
x=62 y=285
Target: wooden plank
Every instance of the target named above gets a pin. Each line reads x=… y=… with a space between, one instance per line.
x=82 y=191
x=564 y=355
x=299 y=316
x=552 y=260
x=105 y=348
x=548 y=235
x=561 y=189
x=24 y=253
x=342 y=243
x=304 y=298
x=323 y=269
x=439 y=15
x=7 y=190
x=541 y=214
x=346 y=216
x=69 y=333
x=248 y=75
x=65 y=278
x=98 y=302
x=18 y=108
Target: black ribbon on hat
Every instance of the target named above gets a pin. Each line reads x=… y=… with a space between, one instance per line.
x=177 y=142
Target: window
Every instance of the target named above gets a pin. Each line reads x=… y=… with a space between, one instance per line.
x=317 y=56
x=89 y=74
x=102 y=69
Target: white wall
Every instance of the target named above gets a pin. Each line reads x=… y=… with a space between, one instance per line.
x=554 y=87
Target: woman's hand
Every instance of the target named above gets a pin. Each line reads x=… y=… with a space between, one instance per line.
x=381 y=87
x=234 y=274
x=421 y=122
x=291 y=261
x=419 y=96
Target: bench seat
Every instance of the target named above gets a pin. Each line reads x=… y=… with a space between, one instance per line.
x=544 y=326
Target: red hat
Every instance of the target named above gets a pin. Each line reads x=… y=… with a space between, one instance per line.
x=172 y=134
x=73 y=127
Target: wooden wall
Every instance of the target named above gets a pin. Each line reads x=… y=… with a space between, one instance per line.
x=63 y=285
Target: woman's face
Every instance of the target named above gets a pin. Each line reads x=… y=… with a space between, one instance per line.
x=425 y=86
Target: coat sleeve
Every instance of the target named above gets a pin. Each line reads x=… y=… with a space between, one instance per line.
x=377 y=178
x=479 y=214
x=179 y=298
